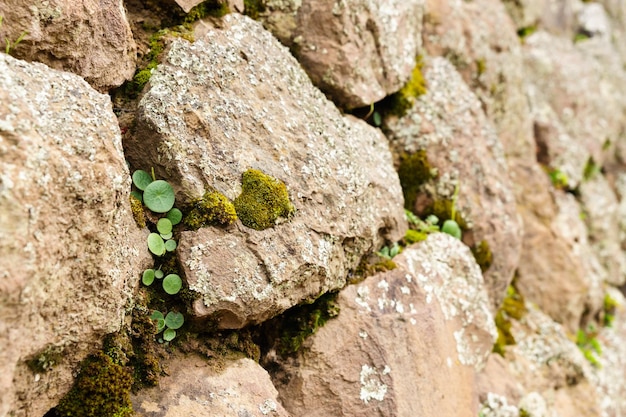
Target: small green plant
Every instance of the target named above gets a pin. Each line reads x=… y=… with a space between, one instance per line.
x=559 y=179
x=450 y=226
x=608 y=312
x=589 y=345
x=581 y=36
x=513 y=308
x=591 y=169
x=168 y=324
x=389 y=252
x=525 y=32
x=11 y=45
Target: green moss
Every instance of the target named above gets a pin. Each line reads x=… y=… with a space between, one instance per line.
x=513 y=308
x=213 y=8
x=262 y=201
x=608 y=311
x=399 y=103
x=302 y=321
x=138 y=214
x=445 y=209
x=581 y=36
x=591 y=169
x=412 y=236
x=45 y=360
x=482 y=254
x=212 y=209
x=559 y=179
x=102 y=389
x=252 y=8
x=414 y=171
x=525 y=32
x=481 y=66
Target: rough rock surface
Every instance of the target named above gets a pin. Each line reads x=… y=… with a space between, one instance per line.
x=356 y=51
x=70 y=250
x=87 y=37
x=193 y=388
x=235 y=100
x=444 y=122
x=546 y=374
x=407 y=342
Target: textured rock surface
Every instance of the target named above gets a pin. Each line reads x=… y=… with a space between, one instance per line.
x=444 y=122
x=87 y=37
x=407 y=342
x=356 y=51
x=546 y=372
x=193 y=388
x=236 y=100
x=69 y=246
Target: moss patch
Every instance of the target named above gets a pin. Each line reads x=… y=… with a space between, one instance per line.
x=262 y=201
x=253 y=8
x=45 y=360
x=399 y=103
x=137 y=209
x=512 y=308
x=102 y=389
x=414 y=171
x=482 y=254
x=213 y=208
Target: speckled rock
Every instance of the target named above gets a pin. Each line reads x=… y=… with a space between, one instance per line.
x=193 y=388
x=546 y=374
x=236 y=99
x=555 y=16
x=407 y=342
x=87 y=37
x=70 y=250
x=356 y=51
x=442 y=122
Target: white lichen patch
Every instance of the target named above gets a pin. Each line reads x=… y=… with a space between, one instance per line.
x=372 y=386
x=269 y=406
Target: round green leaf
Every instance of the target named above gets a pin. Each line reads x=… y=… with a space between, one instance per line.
x=158 y=274
x=141 y=179
x=452 y=228
x=159 y=196
x=164 y=226
x=169 y=335
x=170 y=245
x=172 y=284
x=175 y=216
x=137 y=195
x=174 y=320
x=160 y=325
x=167 y=236
x=148 y=277
x=156 y=244
x=156 y=315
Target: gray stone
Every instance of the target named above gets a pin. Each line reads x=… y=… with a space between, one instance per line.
x=235 y=100
x=71 y=252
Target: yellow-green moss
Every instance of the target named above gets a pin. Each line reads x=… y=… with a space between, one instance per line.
x=608 y=311
x=212 y=8
x=252 y=8
x=513 y=308
x=262 y=201
x=102 y=389
x=414 y=171
x=212 y=209
x=481 y=66
x=399 y=103
x=524 y=32
x=482 y=254
x=412 y=236
x=45 y=360
x=137 y=209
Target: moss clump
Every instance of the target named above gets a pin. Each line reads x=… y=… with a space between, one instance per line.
x=102 y=389
x=513 y=307
x=137 y=209
x=414 y=171
x=253 y=8
x=399 y=103
x=262 y=201
x=412 y=236
x=482 y=254
x=302 y=321
x=212 y=209
x=608 y=311
x=525 y=32
x=210 y=8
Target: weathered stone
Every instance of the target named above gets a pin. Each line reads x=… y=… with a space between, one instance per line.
x=443 y=122
x=236 y=100
x=233 y=5
x=356 y=51
x=555 y=16
x=407 y=342
x=71 y=253
x=88 y=37
x=193 y=388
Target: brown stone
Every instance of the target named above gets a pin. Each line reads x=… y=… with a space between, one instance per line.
x=71 y=252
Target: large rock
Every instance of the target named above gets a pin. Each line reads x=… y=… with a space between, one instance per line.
x=356 y=51
x=442 y=123
x=408 y=342
x=193 y=388
x=87 y=37
x=235 y=100
x=71 y=253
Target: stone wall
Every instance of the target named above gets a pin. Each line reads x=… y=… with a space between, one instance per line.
x=450 y=240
